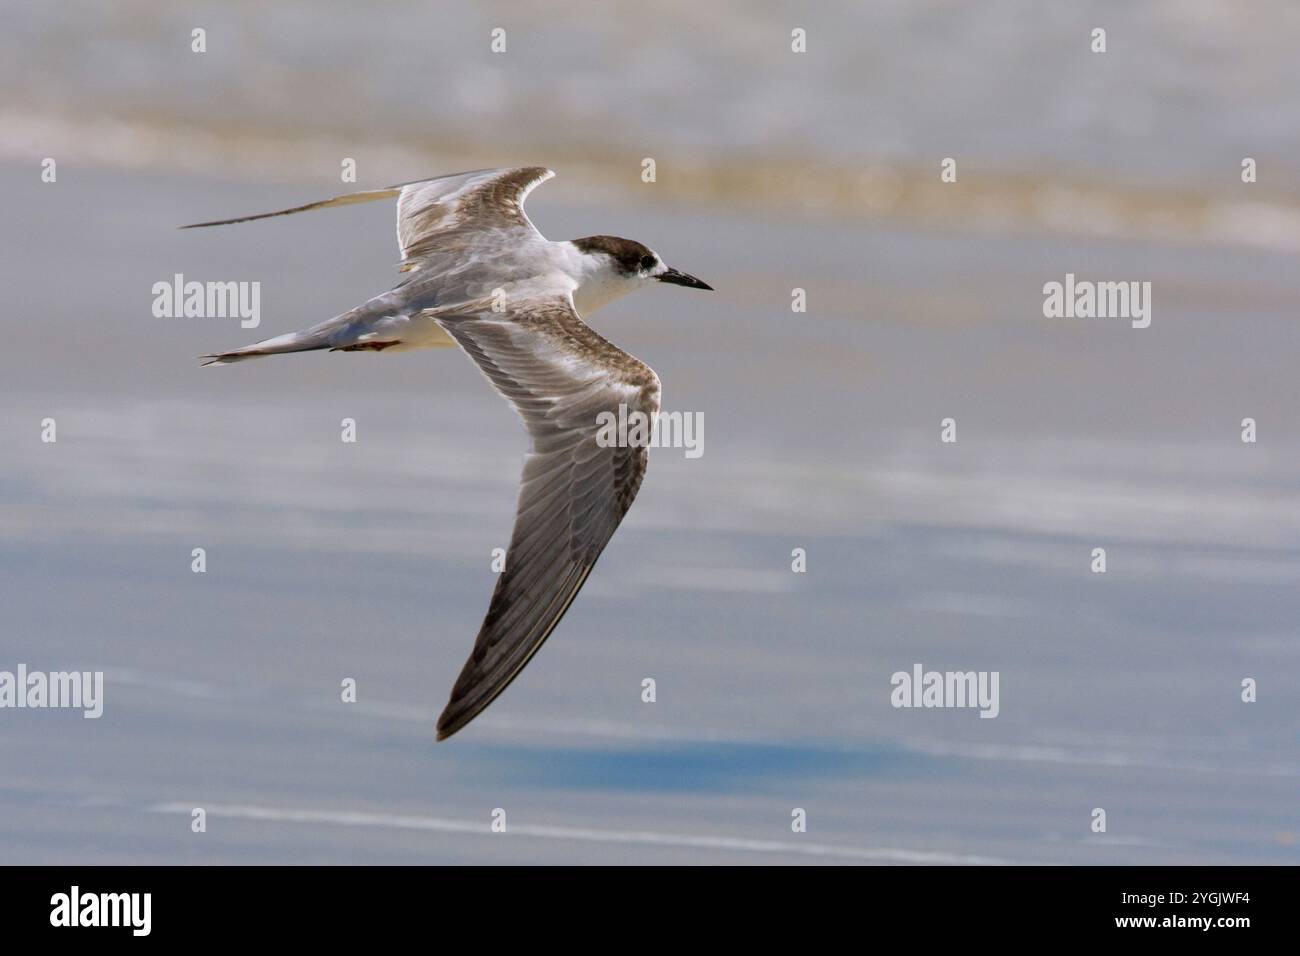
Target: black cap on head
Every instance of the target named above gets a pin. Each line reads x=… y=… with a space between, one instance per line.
x=632 y=257
x=628 y=253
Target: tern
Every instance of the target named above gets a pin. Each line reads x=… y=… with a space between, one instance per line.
x=480 y=276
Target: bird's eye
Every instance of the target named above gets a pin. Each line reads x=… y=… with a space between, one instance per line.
x=647 y=263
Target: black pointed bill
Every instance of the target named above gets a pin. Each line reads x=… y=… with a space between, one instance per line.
x=681 y=278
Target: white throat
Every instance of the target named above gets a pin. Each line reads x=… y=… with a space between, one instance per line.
x=597 y=283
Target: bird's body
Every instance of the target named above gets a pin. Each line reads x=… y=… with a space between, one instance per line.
x=479 y=275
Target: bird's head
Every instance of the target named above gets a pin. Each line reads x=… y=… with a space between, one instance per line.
x=610 y=267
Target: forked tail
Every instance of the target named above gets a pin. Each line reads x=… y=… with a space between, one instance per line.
x=386 y=321
x=290 y=342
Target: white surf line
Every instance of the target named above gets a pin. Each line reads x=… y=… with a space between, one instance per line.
x=1041 y=753
x=579 y=834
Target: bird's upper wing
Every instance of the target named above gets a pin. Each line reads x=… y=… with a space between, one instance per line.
x=437 y=215
x=560 y=375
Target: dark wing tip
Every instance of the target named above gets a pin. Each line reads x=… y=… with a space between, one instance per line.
x=347 y=199
x=204 y=225
x=476 y=689
x=455 y=716
x=227 y=222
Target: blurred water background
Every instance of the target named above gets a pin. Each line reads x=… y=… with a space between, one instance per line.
x=775 y=170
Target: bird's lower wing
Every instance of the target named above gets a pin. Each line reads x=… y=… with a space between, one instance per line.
x=560 y=375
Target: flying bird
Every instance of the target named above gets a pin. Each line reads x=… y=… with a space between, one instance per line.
x=479 y=275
